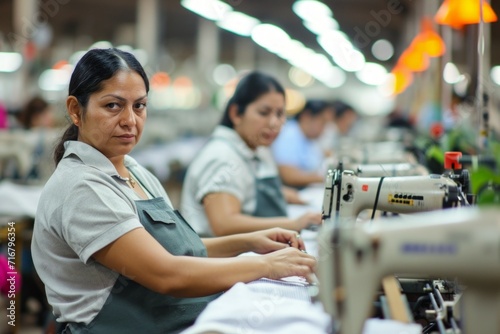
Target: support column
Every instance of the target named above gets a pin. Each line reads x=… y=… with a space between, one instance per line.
x=207 y=48
x=244 y=52
x=25 y=23
x=147 y=37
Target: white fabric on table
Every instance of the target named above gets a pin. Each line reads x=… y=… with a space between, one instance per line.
x=19 y=200
x=263 y=307
x=384 y=326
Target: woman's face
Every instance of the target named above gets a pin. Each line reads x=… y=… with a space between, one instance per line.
x=115 y=115
x=262 y=120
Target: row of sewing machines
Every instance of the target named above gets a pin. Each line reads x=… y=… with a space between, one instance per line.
x=442 y=251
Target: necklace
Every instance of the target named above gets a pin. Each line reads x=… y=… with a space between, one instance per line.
x=130 y=180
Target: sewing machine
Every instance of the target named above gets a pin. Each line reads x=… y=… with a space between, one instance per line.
x=396 y=169
x=462 y=243
x=373 y=153
x=346 y=194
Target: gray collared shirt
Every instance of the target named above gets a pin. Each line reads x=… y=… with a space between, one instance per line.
x=84 y=206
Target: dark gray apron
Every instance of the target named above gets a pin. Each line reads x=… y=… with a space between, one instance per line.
x=270 y=199
x=132 y=308
x=268 y=192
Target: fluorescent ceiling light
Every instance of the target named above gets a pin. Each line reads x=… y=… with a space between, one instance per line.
x=270 y=37
x=310 y=10
x=292 y=49
x=495 y=74
x=332 y=40
x=210 y=9
x=10 y=61
x=238 y=23
x=372 y=74
x=451 y=74
x=382 y=50
x=333 y=77
x=223 y=73
x=350 y=60
x=321 y=25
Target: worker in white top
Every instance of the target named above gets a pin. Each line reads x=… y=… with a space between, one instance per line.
x=233 y=185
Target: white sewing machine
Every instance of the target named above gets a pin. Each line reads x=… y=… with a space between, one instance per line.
x=346 y=194
x=395 y=169
x=462 y=243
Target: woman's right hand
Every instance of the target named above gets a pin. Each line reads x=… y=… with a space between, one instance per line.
x=289 y=262
x=309 y=218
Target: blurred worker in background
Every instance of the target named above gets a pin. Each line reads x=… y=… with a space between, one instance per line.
x=37 y=113
x=233 y=185
x=114 y=255
x=297 y=150
x=343 y=120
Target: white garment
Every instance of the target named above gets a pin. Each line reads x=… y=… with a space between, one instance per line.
x=263 y=308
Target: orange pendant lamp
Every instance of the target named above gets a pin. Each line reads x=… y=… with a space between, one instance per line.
x=457 y=13
x=414 y=59
x=402 y=79
x=429 y=41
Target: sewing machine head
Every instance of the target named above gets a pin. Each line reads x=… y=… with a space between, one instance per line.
x=462 y=243
x=346 y=194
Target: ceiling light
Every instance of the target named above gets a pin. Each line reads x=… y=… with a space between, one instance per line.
x=372 y=74
x=10 y=61
x=382 y=50
x=331 y=40
x=321 y=25
x=457 y=13
x=333 y=77
x=270 y=37
x=495 y=74
x=310 y=10
x=210 y=9
x=299 y=77
x=238 y=23
x=349 y=60
x=293 y=49
x=223 y=73
x=451 y=74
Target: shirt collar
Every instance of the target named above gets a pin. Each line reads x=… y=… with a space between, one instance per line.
x=94 y=158
x=233 y=138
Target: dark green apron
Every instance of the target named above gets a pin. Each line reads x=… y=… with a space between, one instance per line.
x=132 y=308
x=270 y=199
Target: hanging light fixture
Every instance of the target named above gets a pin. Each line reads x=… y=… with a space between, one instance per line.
x=457 y=13
x=401 y=79
x=414 y=59
x=429 y=40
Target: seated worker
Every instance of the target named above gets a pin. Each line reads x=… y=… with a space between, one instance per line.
x=233 y=186
x=297 y=151
x=37 y=113
x=343 y=120
x=114 y=256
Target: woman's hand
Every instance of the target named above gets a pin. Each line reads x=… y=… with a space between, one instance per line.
x=273 y=239
x=307 y=219
x=290 y=262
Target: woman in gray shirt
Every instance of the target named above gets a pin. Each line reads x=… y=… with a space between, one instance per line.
x=114 y=256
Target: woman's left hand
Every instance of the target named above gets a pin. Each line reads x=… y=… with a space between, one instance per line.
x=273 y=239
